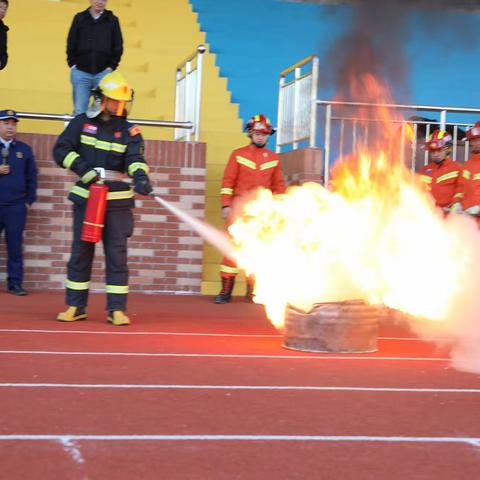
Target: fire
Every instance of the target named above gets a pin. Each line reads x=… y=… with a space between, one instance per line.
x=373 y=235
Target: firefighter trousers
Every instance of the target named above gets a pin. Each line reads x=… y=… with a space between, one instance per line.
x=118 y=227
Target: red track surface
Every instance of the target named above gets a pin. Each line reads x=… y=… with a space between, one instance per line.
x=92 y=401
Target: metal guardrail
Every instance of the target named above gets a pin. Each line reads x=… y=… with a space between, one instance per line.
x=188 y=93
x=66 y=118
x=346 y=130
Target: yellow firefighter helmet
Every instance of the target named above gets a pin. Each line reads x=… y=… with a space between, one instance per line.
x=114 y=85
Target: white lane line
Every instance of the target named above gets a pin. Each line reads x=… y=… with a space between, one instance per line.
x=238 y=387
x=324 y=356
x=184 y=334
x=289 y=438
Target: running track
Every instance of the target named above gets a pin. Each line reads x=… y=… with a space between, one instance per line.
x=194 y=390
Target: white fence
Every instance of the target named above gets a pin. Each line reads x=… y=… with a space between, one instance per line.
x=297 y=117
x=188 y=94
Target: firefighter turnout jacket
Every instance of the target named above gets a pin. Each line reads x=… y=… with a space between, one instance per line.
x=116 y=146
x=249 y=168
x=471 y=182
x=89 y=143
x=444 y=181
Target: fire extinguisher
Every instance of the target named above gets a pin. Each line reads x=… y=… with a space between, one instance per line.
x=95 y=213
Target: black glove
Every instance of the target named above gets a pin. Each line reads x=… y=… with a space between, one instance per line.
x=142 y=185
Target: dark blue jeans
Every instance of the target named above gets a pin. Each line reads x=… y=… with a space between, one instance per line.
x=12 y=220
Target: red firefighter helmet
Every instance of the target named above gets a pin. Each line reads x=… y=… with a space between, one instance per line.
x=474 y=132
x=438 y=140
x=261 y=124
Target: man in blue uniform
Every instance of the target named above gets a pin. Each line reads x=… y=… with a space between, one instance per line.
x=18 y=187
x=102 y=140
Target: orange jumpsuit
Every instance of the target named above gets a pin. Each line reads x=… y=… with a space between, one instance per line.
x=249 y=168
x=471 y=182
x=444 y=181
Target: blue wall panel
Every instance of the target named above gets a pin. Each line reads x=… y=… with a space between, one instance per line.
x=256 y=39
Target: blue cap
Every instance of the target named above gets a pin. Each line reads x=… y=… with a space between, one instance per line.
x=4 y=114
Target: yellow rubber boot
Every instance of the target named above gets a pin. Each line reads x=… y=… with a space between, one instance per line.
x=117 y=317
x=72 y=314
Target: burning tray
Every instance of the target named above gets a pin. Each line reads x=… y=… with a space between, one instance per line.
x=344 y=327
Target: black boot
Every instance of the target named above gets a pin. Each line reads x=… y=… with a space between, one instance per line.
x=225 y=294
x=249 y=292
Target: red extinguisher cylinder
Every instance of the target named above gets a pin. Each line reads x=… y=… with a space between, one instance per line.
x=92 y=228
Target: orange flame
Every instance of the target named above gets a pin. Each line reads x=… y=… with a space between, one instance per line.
x=375 y=235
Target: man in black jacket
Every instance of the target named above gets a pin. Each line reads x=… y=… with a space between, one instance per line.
x=94 y=48
x=3 y=35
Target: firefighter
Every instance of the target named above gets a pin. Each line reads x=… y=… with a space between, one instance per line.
x=471 y=175
x=102 y=143
x=442 y=177
x=248 y=168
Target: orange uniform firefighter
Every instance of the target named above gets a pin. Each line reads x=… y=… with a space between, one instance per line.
x=443 y=176
x=248 y=168
x=102 y=144
x=471 y=175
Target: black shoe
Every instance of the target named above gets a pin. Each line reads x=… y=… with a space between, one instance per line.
x=223 y=298
x=17 y=290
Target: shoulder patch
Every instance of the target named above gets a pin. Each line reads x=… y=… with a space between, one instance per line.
x=132 y=131
x=89 y=128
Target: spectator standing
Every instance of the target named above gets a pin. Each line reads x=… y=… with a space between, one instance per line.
x=94 y=48
x=442 y=177
x=18 y=186
x=3 y=35
x=248 y=169
x=104 y=141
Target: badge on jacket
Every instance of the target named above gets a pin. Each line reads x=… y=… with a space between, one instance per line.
x=89 y=128
x=19 y=155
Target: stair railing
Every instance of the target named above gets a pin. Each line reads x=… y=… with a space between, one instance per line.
x=188 y=94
